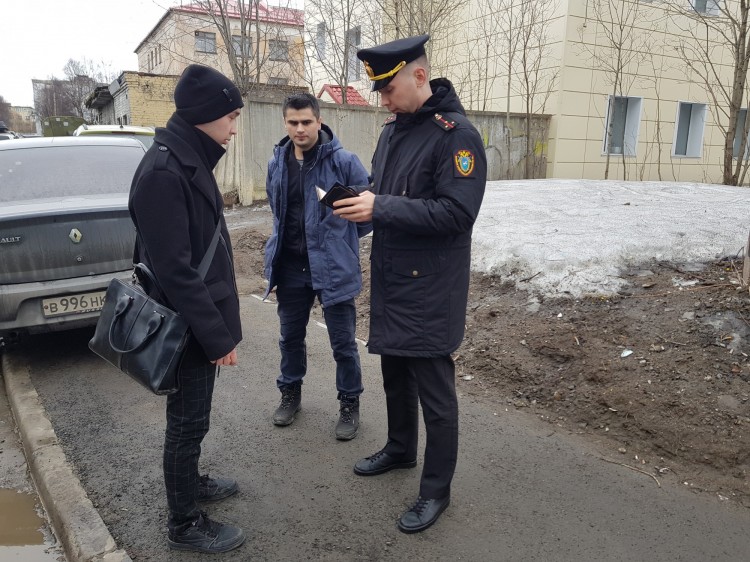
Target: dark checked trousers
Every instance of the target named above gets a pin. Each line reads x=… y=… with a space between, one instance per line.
x=188 y=413
x=431 y=381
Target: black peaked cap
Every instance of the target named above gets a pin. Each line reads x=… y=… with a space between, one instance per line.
x=382 y=62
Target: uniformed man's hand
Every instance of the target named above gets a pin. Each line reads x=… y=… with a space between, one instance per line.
x=356 y=209
x=229 y=360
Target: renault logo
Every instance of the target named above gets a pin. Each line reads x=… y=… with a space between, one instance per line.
x=75 y=235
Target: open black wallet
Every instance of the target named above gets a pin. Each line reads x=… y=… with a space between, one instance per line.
x=336 y=192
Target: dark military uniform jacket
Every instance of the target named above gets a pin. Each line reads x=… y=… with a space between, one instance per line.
x=429 y=171
x=175 y=205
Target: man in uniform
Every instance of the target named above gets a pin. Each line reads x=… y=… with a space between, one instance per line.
x=429 y=171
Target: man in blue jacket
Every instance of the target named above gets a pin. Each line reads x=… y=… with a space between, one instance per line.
x=312 y=253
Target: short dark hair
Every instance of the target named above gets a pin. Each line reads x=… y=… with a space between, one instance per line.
x=301 y=101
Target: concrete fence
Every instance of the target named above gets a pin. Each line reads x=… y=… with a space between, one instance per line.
x=261 y=126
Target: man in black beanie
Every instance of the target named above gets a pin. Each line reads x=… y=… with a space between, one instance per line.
x=176 y=206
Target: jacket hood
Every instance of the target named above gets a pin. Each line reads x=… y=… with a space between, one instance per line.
x=327 y=145
x=444 y=98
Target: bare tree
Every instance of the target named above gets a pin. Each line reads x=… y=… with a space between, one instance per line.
x=653 y=77
x=485 y=51
x=339 y=28
x=709 y=28
x=5 y=111
x=254 y=39
x=51 y=98
x=622 y=36
x=536 y=77
x=83 y=76
x=508 y=18
x=404 y=18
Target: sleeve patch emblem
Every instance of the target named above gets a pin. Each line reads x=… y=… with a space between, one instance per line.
x=464 y=160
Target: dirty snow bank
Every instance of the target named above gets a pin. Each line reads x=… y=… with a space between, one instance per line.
x=577 y=236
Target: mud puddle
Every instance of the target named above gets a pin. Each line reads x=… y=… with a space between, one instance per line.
x=23 y=535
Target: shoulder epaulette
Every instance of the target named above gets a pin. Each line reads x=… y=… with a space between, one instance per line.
x=160 y=163
x=389 y=120
x=443 y=123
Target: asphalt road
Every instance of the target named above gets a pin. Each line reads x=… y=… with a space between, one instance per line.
x=522 y=491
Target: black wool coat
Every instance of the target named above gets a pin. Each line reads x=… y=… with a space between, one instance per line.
x=429 y=171
x=175 y=204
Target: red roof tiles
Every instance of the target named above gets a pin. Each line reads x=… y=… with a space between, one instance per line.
x=353 y=97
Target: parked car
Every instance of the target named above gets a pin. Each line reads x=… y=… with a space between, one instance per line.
x=143 y=134
x=65 y=230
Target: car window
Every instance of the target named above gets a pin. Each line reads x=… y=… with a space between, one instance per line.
x=147 y=140
x=57 y=171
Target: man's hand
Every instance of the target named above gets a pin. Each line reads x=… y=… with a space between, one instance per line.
x=229 y=360
x=356 y=209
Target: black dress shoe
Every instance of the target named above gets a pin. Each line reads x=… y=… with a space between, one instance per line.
x=379 y=463
x=422 y=514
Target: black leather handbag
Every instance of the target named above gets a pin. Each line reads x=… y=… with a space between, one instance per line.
x=141 y=336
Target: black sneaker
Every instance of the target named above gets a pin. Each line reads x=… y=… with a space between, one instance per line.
x=348 y=424
x=205 y=535
x=215 y=489
x=291 y=398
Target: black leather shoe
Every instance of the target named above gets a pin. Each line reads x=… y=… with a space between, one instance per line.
x=379 y=463
x=205 y=535
x=422 y=514
x=214 y=489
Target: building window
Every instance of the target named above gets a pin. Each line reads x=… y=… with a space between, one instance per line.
x=741 y=122
x=159 y=54
x=708 y=7
x=205 y=42
x=275 y=81
x=320 y=41
x=624 y=119
x=241 y=47
x=278 y=49
x=688 y=138
x=354 y=38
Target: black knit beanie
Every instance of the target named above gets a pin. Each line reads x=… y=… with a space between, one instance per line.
x=203 y=95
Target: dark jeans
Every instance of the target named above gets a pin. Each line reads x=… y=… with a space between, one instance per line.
x=295 y=297
x=430 y=381
x=188 y=413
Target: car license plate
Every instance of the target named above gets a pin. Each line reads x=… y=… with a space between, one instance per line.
x=73 y=304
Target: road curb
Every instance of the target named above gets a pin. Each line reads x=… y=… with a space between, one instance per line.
x=76 y=522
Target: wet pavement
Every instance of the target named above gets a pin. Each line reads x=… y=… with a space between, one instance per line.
x=25 y=535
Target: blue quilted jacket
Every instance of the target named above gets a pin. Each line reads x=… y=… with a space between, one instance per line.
x=332 y=242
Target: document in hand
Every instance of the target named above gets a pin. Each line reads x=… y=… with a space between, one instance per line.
x=336 y=192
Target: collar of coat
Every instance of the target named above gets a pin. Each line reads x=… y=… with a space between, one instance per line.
x=194 y=155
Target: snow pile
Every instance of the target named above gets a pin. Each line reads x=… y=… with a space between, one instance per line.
x=576 y=236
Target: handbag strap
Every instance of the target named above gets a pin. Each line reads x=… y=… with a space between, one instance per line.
x=202 y=266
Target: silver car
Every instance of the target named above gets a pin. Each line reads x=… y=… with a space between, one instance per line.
x=65 y=230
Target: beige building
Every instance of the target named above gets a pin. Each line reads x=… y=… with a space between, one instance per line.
x=271 y=44
x=652 y=118
x=23 y=120
x=135 y=98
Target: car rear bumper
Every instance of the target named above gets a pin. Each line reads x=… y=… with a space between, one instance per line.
x=21 y=304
